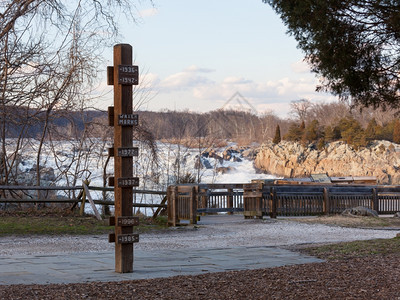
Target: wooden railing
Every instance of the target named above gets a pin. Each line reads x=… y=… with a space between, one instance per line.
x=213 y=198
x=259 y=199
x=82 y=197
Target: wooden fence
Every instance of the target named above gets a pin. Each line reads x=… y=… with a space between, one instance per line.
x=83 y=197
x=259 y=199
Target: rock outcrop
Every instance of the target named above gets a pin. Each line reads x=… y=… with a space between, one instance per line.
x=381 y=159
x=360 y=211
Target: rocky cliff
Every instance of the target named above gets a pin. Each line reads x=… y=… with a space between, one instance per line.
x=287 y=159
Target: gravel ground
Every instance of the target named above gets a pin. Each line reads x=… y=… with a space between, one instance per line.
x=212 y=232
x=375 y=277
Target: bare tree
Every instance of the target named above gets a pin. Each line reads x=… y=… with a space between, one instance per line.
x=300 y=108
x=328 y=114
x=43 y=72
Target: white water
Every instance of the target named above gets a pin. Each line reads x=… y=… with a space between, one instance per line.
x=74 y=162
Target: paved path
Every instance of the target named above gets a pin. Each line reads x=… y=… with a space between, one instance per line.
x=99 y=266
x=223 y=243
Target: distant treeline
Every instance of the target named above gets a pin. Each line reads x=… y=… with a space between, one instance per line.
x=308 y=123
x=28 y=123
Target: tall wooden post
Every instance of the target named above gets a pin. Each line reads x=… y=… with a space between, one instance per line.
x=123 y=75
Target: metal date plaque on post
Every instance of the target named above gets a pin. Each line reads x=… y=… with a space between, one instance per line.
x=128 y=238
x=128 y=221
x=128 y=75
x=128 y=182
x=128 y=151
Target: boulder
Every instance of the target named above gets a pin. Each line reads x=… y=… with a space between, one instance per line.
x=360 y=211
x=237 y=159
x=201 y=163
x=224 y=170
x=249 y=153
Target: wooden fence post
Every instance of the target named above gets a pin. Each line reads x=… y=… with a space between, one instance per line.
x=82 y=208
x=229 y=203
x=273 y=204
x=172 y=194
x=193 y=205
x=87 y=193
x=375 y=200
x=204 y=199
x=326 y=201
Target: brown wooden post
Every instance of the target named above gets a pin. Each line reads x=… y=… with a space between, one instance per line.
x=326 y=201
x=273 y=203
x=193 y=205
x=123 y=75
x=229 y=203
x=169 y=205
x=375 y=200
x=259 y=200
x=82 y=208
x=204 y=199
x=172 y=205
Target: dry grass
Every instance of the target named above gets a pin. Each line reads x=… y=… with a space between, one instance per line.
x=352 y=221
x=54 y=221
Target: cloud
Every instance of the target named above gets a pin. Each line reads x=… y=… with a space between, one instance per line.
x=150 y=12
x=285 y=88
x=236 y=81
x=187 y=79
x=194 y=68
x=150 y=79
x=200 y=92
x=300 y=67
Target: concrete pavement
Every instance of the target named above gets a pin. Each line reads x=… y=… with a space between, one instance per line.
x=99 y=266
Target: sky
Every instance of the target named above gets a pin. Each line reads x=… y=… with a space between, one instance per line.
x=198 y=55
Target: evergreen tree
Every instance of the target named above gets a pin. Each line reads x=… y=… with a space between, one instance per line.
x=386 y=131
x=277 y=137
x=311 y=132
x=352 y=132
x=353 y=45
x=329 y=134
x=294 y=133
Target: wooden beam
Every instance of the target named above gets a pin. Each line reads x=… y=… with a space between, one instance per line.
x=89 y=197
x=123 y=166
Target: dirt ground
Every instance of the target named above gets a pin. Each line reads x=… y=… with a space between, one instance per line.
x=375 y=277
x=370 y=277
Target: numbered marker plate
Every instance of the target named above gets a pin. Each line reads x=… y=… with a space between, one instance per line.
x=128 y=152
x=128 y=221
x=128 y=75
x=128 y=238
x=128 y=182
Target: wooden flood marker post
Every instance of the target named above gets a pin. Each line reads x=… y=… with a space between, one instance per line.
x=123 y=75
